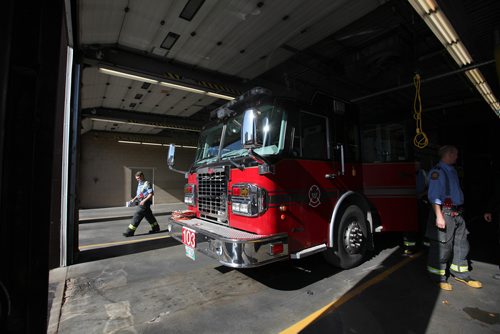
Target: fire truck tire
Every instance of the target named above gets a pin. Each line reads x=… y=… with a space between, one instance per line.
x=351 y=239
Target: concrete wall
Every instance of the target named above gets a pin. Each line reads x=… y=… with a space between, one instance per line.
x=107 y=171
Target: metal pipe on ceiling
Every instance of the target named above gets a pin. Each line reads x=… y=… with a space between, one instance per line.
x=436 y=77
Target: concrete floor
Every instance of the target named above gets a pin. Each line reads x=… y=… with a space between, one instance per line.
x=146 y=284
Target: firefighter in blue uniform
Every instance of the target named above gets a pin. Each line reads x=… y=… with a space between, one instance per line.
x=446 y=228
x=144 y=199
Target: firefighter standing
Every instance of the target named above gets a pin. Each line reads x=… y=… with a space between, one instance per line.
x=144 y=195
x=446 y=228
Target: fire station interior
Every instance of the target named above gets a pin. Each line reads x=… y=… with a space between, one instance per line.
x=94 y=91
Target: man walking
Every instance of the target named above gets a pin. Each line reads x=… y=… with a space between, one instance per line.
x=446 y=228
x=144 y=196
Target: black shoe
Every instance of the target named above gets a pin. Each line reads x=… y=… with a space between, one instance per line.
x=128 y=234
x=408 y=252
x=155 y=229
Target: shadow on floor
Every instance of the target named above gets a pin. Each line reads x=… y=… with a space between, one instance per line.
x=125 y=249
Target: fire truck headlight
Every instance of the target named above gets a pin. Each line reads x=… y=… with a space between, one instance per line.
x=189 y=194
x=244 y=207
x=248 y=199
x=236 y=207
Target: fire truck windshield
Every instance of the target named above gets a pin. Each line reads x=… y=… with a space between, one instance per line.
x=223 y=141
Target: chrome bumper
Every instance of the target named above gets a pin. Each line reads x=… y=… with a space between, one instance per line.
x=231 y=247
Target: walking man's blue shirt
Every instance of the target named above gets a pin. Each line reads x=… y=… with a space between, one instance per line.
x=143 y=189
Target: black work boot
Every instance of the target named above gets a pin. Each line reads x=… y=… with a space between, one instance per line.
x=155 y=228
x=129 y=233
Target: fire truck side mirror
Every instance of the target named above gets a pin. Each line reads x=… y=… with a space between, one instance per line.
x=171 y=154
x=249 y=129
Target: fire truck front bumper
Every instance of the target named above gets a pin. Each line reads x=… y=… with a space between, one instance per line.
x=231 y=247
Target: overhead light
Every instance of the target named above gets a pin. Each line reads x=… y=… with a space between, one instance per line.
x=141 y=143
x=439 y=24
x=163 y=83
x=145 y=124
x=126 y=75
x=457 y=50
x=220 y=96
x=182 y=146
x=197 y=91
x=446 y=26
x=426 y=6
x=475 y=76
x=442 y=28
x=129 y=142
x=185 y=88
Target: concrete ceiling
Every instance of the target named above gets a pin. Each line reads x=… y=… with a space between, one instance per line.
x=366 y=51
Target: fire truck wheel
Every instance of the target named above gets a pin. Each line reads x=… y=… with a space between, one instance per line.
x=351 y=239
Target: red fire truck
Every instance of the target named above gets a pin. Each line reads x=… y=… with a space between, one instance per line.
x=274 y=179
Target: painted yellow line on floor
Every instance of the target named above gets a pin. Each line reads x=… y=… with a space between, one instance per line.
x=133 y=241
x=346 y=297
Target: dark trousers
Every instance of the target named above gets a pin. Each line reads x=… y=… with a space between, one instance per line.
x=455 y=247
x=143 y=211
x=423 y=217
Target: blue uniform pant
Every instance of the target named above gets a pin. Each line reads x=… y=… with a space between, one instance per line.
x=454 y=251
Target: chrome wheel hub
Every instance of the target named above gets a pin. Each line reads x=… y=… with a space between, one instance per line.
x=353 y=238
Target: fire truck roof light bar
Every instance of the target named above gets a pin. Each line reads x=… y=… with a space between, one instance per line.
x=135 y=77
x=225 y=110
x=439 y=24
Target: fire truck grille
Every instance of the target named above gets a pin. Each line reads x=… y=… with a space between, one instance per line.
x=212 y=194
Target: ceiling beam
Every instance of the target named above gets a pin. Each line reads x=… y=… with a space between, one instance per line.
x=166 y=138
x=162 y=121
x=120 y=58
x=436 y=77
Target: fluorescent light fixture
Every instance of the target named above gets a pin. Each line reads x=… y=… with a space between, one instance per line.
x=220 y=96
x=162 y=83
x=185 y=88
x=129 y=142
x=443 y=30
x=490 y=98
x=483 y=88
x=463 y=51
x=194 y=90
x=437 y=21
x=445 y=25
x=144 y=124
x=182 y=146
x=439 y=24
x=456 y=49
x=475 y=76
x=139 y=143
x=126 y=75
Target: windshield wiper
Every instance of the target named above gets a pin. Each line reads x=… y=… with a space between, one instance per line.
x=206 y=160
x=237 y=165
x=234 y=153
